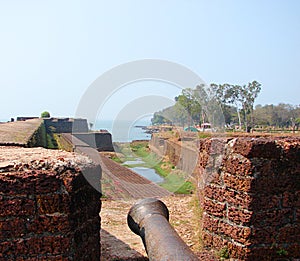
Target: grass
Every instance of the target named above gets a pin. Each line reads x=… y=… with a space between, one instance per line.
x=197 y=219
x=123 y=154
x=62 y=144
x=174 y=180
x=51 y=142
x=203 y=135
x=223 y=253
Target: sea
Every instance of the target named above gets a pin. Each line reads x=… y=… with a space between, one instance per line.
x=125 y=131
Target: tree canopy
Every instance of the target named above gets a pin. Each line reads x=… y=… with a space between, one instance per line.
x=242 y=97
x=199 y=105
x=45 y=114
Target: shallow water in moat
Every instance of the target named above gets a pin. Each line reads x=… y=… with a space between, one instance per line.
x=143 y=171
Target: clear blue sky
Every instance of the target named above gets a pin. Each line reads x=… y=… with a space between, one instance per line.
x=51 y=51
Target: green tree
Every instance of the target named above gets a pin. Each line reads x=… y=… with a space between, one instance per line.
x=228 y=94
x=45 y=114
x=242 y=97
x=187 y=101
x=247 y=95
x=159 y=119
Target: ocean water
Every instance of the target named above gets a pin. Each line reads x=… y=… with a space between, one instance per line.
x=124 y=131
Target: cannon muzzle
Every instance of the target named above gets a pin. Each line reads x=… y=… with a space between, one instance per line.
x=149 y=218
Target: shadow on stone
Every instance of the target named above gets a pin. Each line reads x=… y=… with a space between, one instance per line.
x=114 y=249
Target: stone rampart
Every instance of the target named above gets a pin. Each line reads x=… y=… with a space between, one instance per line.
x=182 y=154
x=102 y=141
x=65 y=125
x=48 y=211
x=251 y=200
x=249 y=190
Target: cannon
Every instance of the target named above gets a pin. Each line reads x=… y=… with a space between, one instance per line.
x=149 y=218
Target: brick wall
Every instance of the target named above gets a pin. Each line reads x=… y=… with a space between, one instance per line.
x=249 y=189
x=48 y=211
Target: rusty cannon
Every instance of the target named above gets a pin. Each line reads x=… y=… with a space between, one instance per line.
x=149 y=218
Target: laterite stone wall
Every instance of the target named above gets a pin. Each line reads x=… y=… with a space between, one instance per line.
x=48 y=211
x=249 y=190
x=183 y=154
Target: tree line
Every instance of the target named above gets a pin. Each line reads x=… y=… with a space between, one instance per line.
x=229 y=105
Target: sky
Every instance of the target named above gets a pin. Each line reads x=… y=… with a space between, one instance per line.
x=52 y=51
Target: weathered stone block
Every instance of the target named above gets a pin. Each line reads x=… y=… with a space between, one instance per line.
x=256 y=147
x=238 y=183
x=214 y=208
x=239 y=216
x=48 y=210
x=16 y=207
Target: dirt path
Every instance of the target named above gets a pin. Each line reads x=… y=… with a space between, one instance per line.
x=122 y=187
x=119 y=243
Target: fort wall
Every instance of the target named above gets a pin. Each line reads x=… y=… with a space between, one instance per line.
x=48 y=211
x=65 y=125
x=183 y=154
x=249 y=191
x=102 y=141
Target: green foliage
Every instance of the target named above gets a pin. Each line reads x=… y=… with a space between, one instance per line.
x=45 y=114
x=178 y=184
x=282 y=252
x=172 y=181
x=51 y=142
x=223 y=253
x=159 y=119
x=203 y=135
x=191 y=107
x=196 y=105
x=61 y=143
x=117 y=159
x=39 y=138
x=242 y=97
x=214 y=105
x=190 y=104
x=280 y=116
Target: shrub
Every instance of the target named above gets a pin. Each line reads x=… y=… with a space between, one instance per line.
x=45 y=114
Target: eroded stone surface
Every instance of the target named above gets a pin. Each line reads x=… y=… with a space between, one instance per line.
x=47 y=208
x=18 y=132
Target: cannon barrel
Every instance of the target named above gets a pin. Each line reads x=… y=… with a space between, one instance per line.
x=149 y=218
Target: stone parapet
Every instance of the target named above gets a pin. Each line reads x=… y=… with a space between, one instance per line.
x=249 y=190
x=48 y=211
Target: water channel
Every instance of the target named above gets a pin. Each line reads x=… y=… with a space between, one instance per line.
x=143 y=171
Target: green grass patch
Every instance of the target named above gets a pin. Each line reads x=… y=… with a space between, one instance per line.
x=124 y=152
x=203 y=135
x=177 y=184
x=117 y=159
x=51 y=142
x=174 y=181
